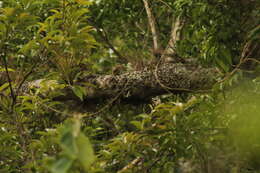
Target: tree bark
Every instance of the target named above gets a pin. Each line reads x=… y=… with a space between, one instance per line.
x=152 y=24
x=142 y=85
x=145 y=84
x=175 y=36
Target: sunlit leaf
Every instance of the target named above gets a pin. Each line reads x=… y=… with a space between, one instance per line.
x=9 y=11
x=137 y=124
x=79 y=92
x=83 y=2
x=9 y=69
x=4 y=86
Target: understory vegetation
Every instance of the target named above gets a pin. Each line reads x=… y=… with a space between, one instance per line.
x=49 y=47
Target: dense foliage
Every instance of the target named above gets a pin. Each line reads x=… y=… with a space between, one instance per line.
x=55 y=42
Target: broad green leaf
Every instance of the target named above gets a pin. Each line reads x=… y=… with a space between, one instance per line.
x=68 y=144
x=62 y=165
x=86 y=154
x=79 y=92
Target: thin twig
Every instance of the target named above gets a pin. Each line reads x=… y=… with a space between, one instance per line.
x=244 y=58
x=9 y=80
x=167 y=5
x=104 y=36
x=130 y=165
x=24 y=79
x=111 y=101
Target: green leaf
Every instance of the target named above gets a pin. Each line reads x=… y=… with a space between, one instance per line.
x=79 y=13
x=86 y=154
x=222 y=65
x=83 y=2
x=28 y=47
x=62 y=165
x=137 y=124
x=255 y=33
x=68 y=144
x=9 y=69
x=86 y=29
x=26 y=106
x=2 y=29
x=79 y=92
x=4 y=86
x=9 y=11
x=227 y=58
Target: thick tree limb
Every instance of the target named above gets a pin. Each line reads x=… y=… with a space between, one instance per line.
x=151 y=21
x=175 y=36
x=145 y=84
x=142 y=85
